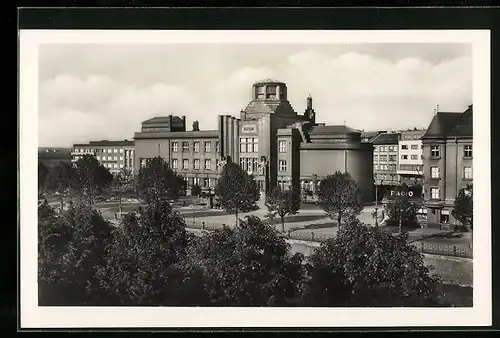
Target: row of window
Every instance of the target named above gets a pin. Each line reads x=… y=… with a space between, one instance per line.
x=436 y=151
x=249 y=164
x=385 y=167
x=412 y=157
x=202 y=182
x=109 y=158
x=102 y=150
x=466 y=172
x=412 y=167
x=249 y=145
x=196 y=164
x=413 y=146
x=196 y=146
x=112 y=165
x=385 y=148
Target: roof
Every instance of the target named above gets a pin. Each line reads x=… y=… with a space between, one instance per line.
x=369 y=134
x=268 y=81
x=386 y=138
x=178 y=134
x=162 y=119
x=105 y=143
x=328 y=130
x=445 y=124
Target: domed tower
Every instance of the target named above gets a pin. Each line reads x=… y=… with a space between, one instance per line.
x=268 y=96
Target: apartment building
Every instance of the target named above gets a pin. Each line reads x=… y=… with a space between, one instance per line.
x=448 y=153
x=411 y=157
x=50 y=157
x=385 y=159
x=114 y=155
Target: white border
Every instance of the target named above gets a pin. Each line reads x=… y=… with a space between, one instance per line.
x=33 y=316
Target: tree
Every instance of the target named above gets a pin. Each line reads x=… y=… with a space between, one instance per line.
x=339 y=197
x=62 y=181
x=250 y=265
x=401 y=209
x=236 y=191
x=43 y=172
x=195 y=190
x=463 y=207
x=368 y=267
x=141 y=264
x=283 y=202
x=72 y=247
x=93 y=177
x=156 y=181
x=122 y=182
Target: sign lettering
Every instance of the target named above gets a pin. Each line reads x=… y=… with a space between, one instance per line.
x=402 y=193
x=249 y=129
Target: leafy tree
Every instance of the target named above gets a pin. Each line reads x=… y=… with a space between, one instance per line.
x=195 y=190
x=250 y=265
x=339 y=197
x=43 y=172
x=72 y=247
x=141 y=264
x=122 y=182
x=93 y=177
x=463 y=207
x=62 y=181
x=157 y=180
x=367 y=267
x=401 y=209
x=283 y=202
x=236 y=191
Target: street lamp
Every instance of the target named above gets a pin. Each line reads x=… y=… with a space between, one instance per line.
x=376 y=200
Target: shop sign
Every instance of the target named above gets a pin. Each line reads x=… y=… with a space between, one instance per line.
x=402 y=193
x=249 y=129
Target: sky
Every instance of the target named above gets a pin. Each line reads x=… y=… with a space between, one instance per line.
x=91 y=92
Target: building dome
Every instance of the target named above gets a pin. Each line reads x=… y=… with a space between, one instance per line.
x=268 y=81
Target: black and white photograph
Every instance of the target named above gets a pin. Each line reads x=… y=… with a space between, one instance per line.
x=257 y=178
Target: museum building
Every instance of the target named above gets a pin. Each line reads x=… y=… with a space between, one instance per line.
x=268 y=139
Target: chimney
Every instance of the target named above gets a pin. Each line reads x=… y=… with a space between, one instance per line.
x=184 y=123
x=196 y=126
x=309 y=102
x=437 y=108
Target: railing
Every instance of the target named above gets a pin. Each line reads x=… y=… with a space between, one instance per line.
x=444 y=250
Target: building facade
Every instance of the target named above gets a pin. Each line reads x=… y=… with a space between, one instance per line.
x=269 y=140
x=114 y=155
x=448 y=153
x=385 y=159
x=411 y=157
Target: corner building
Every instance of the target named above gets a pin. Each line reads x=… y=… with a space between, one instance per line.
x=269 y=140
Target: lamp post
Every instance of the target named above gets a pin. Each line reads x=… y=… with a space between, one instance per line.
x=376 y=200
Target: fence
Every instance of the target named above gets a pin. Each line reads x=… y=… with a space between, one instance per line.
x=444 y=250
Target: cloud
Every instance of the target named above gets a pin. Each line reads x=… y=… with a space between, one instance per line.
x=107 y=97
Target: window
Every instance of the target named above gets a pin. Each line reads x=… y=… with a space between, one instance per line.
x=175 y=147
x=434 y=172
x=196 y=164
x=282 y=146
x=404 y=147
x=243 y=145
x=196 y=147
x=206 y=182
x=249 y=145
x=414 y=146
x=217 y=146
x=208 y=165
x=445 y=216
x=175 y=163
x=208 y=146
x=185 y=147
x=98 y=158
x=255 y=145
x=392 y=158
x=383 y=158
x=242 y=163
x=393 y=148
x=375 y=149
x=377 y=167
x=115 y=150
x=121 y=158
x=467 y=173
x=108 y=150
x=185 y=164
x=404 y=157
x=255 y=164
x=121 y=165
x=434 y=151
x=282 y=165
x=115 y=165
x=196 y=181
x=467 y=151
x=414 y=157
x=115 y=158
x=121 y=150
